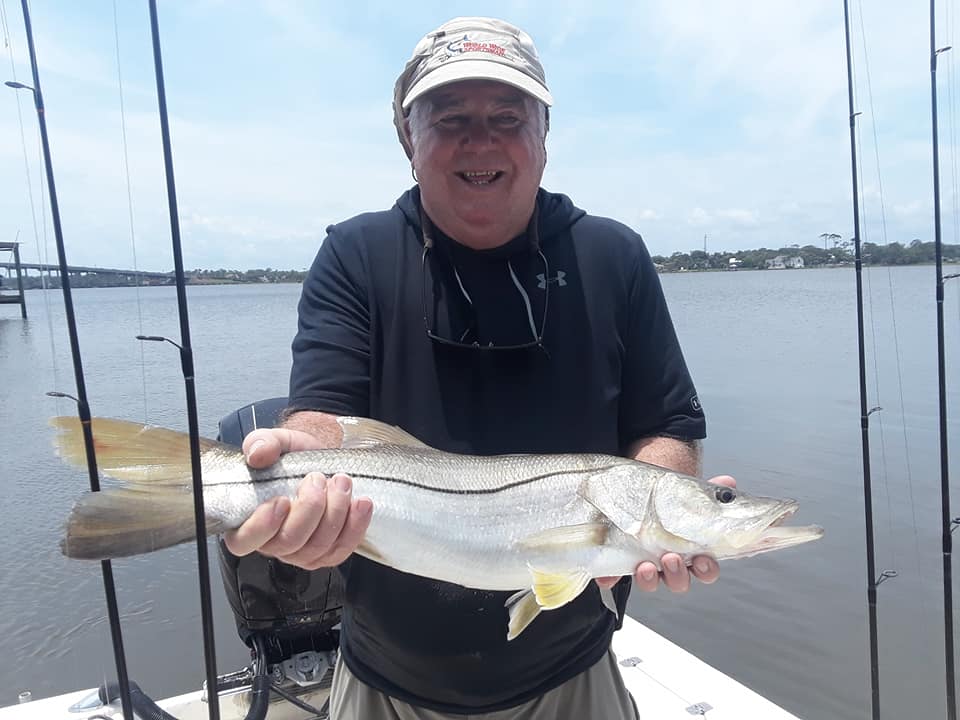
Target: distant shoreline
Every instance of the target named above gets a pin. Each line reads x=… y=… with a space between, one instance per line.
x=292 y=277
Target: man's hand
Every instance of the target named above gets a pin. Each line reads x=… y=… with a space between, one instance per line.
x=675 y=574
x=321 y=527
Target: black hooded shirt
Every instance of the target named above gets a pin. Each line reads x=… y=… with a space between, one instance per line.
x=609 y=371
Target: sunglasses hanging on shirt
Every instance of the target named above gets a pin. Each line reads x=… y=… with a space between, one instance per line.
x=536 y=334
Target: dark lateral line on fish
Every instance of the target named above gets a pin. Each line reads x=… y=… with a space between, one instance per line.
x=445 y=491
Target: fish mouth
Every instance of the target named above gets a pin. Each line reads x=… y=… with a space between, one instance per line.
x=778 y=535
x=771 y=533
x=785 y=514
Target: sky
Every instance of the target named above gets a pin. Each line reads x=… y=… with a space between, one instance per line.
x=694 y=122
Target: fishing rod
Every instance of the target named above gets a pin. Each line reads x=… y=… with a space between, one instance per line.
x=83 y=407
x=942 y=382
x=186 y=361
x=872 y=581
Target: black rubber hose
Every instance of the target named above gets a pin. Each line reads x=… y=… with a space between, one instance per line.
x=260 y=687
x=259 y=698
x=143 y=705
x=147 y=709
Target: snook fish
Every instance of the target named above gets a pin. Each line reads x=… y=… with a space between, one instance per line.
x=541 y=525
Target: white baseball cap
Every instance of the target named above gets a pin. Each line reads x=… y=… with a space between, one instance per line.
x=469 y=48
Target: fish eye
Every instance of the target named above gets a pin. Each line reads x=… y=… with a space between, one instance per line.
x=725 y=494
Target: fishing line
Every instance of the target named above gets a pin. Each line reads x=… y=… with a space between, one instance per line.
x=947 y=525
x=897 y=356
x=189 y=379
x=952 y=107
x=872 y=581
x=133 y=238
x=33 y=210
x=635 y=664
x=868 y=274
x=83 y=407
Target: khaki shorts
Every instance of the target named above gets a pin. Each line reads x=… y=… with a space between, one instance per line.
x=595 y=694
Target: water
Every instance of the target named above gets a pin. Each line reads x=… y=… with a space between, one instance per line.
x=774 y=356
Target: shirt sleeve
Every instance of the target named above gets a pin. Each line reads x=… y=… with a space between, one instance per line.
x=331 y=351
x=658 y=394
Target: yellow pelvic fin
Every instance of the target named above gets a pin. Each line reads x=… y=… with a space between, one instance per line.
x=591 y=534
x=523 y=609
x=364 y=433
x=556 y=589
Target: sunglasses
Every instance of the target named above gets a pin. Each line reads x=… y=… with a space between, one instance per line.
x=463 y=341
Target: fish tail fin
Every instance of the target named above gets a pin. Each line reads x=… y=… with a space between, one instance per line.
x=153 y=509
x=131 y=451
x=118 y=522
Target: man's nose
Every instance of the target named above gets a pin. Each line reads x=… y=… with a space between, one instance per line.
x=478 y=134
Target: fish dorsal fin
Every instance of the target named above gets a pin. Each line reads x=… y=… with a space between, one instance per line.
x=361 y=432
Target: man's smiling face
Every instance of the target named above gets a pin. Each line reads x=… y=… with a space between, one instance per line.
x=478 y=149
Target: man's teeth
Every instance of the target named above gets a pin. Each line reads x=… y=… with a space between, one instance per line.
x=481 y=178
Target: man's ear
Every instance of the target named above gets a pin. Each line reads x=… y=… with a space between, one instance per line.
x=403 y=133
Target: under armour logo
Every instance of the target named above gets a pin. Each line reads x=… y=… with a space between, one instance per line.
x=558 y=279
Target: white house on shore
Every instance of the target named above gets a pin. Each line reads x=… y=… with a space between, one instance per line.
x=781 y=262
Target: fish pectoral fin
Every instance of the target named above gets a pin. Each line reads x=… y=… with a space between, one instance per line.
x=592 y=534
x=361 y=432
x=523 y=609
x=556 y=589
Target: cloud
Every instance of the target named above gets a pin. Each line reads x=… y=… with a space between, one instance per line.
x=739 y=216
x=699 y=217
x=730 y=121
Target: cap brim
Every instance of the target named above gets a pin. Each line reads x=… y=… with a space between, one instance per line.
x=477 y=70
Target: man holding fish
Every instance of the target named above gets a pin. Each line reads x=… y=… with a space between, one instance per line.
x=483 y=315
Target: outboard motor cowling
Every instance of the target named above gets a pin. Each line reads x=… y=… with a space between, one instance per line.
x=292 y=610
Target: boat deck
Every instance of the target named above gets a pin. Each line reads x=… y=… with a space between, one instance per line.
x=667 y=682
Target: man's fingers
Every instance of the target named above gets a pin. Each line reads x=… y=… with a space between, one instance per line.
x=356 y=524
x=705 y=569
x=723 y=480
x=262 y=525
x=306 y=512
x=675 y=574
x=647 y=577
x=339 y=489
x=263 y=447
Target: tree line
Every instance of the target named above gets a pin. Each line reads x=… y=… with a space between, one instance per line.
x=841 y=253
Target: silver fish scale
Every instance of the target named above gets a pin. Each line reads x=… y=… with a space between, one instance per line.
x=484 y=522
x=437 y=470
x=462 y=518
x=458 y=518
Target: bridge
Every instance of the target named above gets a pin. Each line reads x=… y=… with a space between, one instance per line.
x=81 y=269
x=7 y=298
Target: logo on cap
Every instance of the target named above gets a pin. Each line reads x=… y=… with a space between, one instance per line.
x=465 y=45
